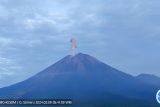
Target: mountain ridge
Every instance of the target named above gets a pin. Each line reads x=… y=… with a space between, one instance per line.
x=82 y=78
x=149 y=79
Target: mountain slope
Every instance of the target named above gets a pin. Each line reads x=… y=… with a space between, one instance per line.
x=85 y=80
x=149 y=79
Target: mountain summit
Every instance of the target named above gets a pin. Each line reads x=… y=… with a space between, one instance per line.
x=87 y=81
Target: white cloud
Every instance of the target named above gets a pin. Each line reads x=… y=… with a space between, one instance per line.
x=35 y=31
x=4 y=42
x=8 y=66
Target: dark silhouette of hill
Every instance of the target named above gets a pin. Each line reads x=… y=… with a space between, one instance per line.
x=149 y=79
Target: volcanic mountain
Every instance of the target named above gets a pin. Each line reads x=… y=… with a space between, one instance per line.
x=88 y=82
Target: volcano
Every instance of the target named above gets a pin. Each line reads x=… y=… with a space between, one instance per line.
x=88 y=82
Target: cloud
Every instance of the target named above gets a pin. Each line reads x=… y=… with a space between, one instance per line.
x=5 y=42
x=8 y=67
x=34 y=34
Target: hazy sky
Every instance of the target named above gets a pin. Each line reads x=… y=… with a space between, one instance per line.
x=35 y=34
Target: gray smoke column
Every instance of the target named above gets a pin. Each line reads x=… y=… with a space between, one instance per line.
x=73 y=45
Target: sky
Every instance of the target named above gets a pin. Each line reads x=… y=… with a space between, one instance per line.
x=35 y=34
